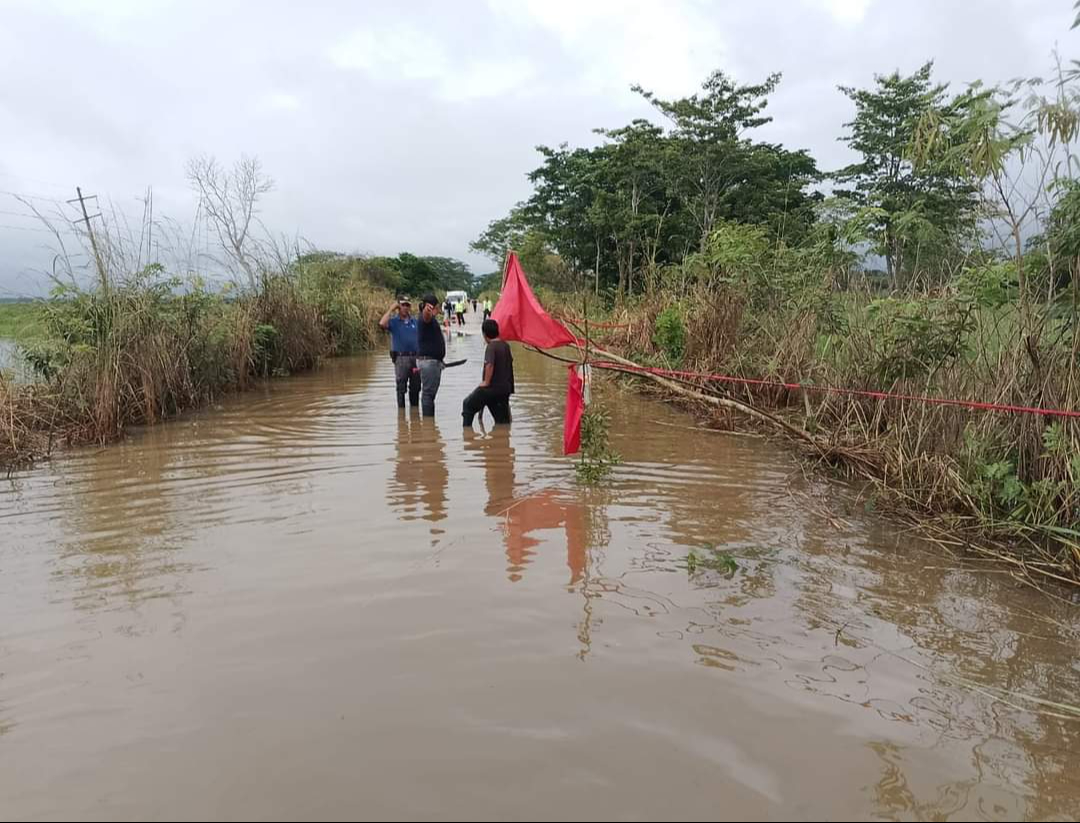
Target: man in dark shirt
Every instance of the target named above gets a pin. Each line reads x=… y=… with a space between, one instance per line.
x=498 y=382
x=430 y=353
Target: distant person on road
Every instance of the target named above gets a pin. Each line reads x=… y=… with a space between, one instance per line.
x=430 y=353
x=399 y=321
x=498 y=380
x=487 y=308
x=459 y=310
x=474 y=305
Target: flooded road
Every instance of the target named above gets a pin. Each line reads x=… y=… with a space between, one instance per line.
x=303 y=604
x=10 y=361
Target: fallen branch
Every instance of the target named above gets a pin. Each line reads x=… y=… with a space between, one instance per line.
x=694 y=394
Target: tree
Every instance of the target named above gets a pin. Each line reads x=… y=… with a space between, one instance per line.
x=924 y=210
x=450 y=274
x=229 y=198
x=648 y=196
x=633 y=203
x=503 y=234
x=565 y=187
x=417 y=275
x=718 y=173
x=490 y=282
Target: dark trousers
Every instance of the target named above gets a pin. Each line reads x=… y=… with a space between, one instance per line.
x=461 y=318
x=495 y=400
x=487 y=314
x=406 y=376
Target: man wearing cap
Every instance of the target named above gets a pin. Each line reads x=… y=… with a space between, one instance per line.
x=399 y=321
x=430 y=353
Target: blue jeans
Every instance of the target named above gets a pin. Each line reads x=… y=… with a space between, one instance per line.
x=430 y=377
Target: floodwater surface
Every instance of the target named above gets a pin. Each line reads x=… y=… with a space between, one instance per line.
x=301 y=603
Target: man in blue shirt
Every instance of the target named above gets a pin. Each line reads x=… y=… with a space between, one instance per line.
x=399 y=321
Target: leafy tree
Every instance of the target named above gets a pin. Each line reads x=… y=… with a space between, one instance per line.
x=922 y=210
x=648 y=196
x=720 y=174
x=450 y=274
x=503 y=234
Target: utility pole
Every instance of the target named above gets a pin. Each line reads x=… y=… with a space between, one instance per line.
x=93 y=240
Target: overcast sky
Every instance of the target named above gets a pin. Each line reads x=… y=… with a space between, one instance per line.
x=391 y=126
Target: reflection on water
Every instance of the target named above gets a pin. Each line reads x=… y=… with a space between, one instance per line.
x=524 y=511
x=10 y=362
x=418 y=488
x=303 y=603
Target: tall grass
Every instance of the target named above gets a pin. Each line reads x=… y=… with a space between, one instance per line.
x=984 y=475
x=153 y=345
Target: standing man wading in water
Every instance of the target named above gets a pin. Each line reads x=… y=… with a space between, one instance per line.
x=399 y=321
x=431 y=352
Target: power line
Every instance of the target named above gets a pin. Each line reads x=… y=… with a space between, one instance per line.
x=112 y=204
x=37 y=180
x=112 y=208
x=20 y=214
x=24 y=228
x=29 y=196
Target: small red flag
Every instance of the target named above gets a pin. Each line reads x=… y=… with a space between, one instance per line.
x=521 y=317
x=575 y=407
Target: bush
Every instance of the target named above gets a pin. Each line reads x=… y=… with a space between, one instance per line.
x=670 y=334
x=153 y=346
x=597 y=457
x=913 y=338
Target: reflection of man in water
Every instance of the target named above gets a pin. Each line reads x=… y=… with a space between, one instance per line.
x=418 y=489
x=523 y=513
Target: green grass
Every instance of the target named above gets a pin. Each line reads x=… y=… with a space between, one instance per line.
x=712 y=559
x=20 y=321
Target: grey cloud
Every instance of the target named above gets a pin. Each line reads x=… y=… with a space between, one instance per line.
x=381 y=154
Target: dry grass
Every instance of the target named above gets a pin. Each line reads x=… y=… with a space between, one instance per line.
x=144 y=353
x=1003 y=484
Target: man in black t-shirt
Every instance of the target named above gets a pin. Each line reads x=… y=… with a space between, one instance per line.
x=430 y=353
x=498 y=380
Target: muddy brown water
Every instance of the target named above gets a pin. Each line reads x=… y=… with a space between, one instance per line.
x=301 y=604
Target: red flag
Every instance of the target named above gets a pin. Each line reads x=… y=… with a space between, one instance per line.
x=575 y=407
x=521 y=317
